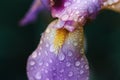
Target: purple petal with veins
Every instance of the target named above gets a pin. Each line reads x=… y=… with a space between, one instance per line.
x=69 y=63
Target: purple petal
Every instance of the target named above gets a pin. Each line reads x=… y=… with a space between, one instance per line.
x=68 y=64
x=33 y=12
x=75 y=10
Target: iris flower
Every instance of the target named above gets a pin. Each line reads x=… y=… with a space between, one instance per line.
x=60 y=53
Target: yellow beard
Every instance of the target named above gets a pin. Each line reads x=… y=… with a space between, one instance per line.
x=59 y=39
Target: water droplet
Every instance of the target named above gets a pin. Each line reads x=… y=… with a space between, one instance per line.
x=61 y=76
x=40 y=48
x=65 y=17
x=34 y=54
x=86 y=66
x=69 y=53
x=77 y=63
x=52 y=48
x=47 y=37
x=87 y=78
x=82 y=51
x=81 y=71
x=68 y=64
x=61 y=57
x=39 y=53
x=70 y=74
x=48 y=31
x=62 y=70
x=47 y=45
x=65 y=79
x=41 y=42
x=77 y=12
x=46 y=71
x=81 y=66
x=40 y=63
x=50 y=61
x=82 y=59
x=47 y=64
x=47 y=79
x=67 y=4
x=38 y=75
x=75 y=43
x=42 y=69
x=32 y=63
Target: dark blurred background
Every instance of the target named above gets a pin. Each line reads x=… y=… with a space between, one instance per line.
x=17 y=43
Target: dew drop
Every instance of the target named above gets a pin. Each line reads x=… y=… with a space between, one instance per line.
x=65 y=79
x=40 y=63
x=34 y=54
x=47 y=64
x=46 y=71
x=38 y=76
x=70 y=74
x=77 y=63
x=75 y=43
x=47 y=45
x=50 y=61
x=48 y=31
x=61 y=57
x=40 y=48
x=62 y=70
x=87 y=78
x=82 y=66
x=82 y=59
x=81 y=71
x=52 y=48
x=39 y=53
x=67 y=4
x=65 y=17
x=86 y=66
x=69 y=53
x=68 y=64
x=32 y=63
x=47 y=79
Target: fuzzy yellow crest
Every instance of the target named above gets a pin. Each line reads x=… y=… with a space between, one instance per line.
x=59 y=39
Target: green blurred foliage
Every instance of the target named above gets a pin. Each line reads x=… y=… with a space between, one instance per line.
x=17 y=43
x=103 y=43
